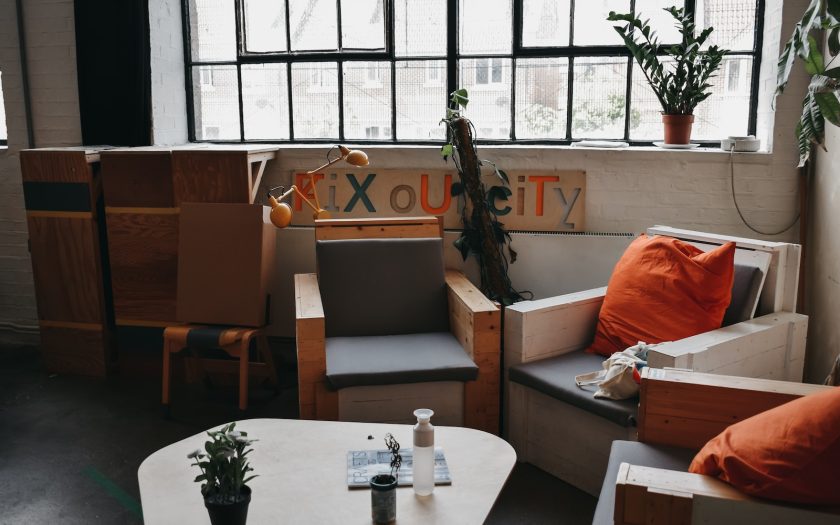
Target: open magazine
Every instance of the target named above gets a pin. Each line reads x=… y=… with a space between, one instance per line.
x=364 y=464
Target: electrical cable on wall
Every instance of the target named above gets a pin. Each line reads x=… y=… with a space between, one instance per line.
x=735 y=199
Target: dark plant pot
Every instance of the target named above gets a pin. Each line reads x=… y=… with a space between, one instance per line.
x=677 y=128
x=383 y=498
x=229 y=513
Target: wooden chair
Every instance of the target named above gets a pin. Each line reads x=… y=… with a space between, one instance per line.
x=473 y=322
x=647 y=482
x=560 y=428
x=234 y=341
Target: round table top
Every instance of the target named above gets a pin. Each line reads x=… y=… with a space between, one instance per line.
x=302 y=475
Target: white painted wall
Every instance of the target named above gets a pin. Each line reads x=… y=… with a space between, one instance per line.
x=51 y=49
x=169 y=99
x=823 y=261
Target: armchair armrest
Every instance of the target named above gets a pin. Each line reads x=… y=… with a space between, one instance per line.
x=771 y=346
x=650 y=495
x=687 y=409
x=316 y=401
x=476 y=322
x=549 y=327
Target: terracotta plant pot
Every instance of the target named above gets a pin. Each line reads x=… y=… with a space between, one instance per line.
x=677 y=128
x=383 y=498
x=229 y=513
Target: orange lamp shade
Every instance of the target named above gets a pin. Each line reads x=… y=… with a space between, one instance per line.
x=281 y=213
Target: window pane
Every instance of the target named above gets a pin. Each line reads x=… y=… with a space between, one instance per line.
x=660 y=20
x=265 y=25
x=420 y=27
x=541 y=94
x=212 y=30
x=367 y=100
x=265 y=101
x=591 y=24
x=488 y=83
x=315 y=99
x=599 y=100
x=314 y=25
x=3 y=130
x=733 y=20
x=545 y=23
x=216 y=103
x=726 y=112
x=485 y=26
x=421 y=99
x=362 y=24
x=645 y=109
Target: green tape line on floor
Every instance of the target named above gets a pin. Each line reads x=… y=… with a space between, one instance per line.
x=123 y=497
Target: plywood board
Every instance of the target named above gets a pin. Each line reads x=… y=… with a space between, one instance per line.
x=538 y=201
x=73 y=350
x=137 y=177
x=143 y=249
x=66 y=268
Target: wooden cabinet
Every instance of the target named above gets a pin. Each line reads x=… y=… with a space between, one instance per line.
x=68 y=245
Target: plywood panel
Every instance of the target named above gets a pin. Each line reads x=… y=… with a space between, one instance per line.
x=66 y=268
x=143 y=248
x=58 y=165
x=138 y=177
x=218 y=174
x=72 y=350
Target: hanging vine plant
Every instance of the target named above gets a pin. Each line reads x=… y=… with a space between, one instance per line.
x=482 y=236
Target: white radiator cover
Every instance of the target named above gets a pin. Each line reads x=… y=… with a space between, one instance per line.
x=548 y=264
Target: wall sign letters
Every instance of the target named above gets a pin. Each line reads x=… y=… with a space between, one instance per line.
x=536 y=201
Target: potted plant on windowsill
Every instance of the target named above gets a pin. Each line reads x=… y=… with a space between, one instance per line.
x=680 y=86
x=223 y=475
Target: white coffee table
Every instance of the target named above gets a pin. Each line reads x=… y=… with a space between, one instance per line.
x=302 y=467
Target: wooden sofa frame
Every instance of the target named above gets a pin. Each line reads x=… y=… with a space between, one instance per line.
x=574 y=444
x=685 y=409
x=474 y=320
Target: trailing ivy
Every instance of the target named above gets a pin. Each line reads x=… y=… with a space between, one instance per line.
x=482 y=234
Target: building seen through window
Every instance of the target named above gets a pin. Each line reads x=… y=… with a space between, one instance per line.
x=381 y=70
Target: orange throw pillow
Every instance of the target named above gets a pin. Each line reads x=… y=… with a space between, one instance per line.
x=663 y=289
x=789 y=453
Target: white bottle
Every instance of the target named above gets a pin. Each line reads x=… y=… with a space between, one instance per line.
x=424 y=453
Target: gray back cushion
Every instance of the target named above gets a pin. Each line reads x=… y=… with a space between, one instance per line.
x=382 y=286
x=745 y=290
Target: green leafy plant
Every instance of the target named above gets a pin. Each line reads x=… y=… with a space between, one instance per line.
x=820 y=102
x=223 y=465
x=680 y=87
x=482 y=235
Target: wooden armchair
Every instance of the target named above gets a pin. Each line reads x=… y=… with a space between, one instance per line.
x=680 y=411
x=545 y=339
x=332 y=385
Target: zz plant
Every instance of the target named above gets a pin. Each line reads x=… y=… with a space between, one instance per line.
x=224 y=466
x=682 y=87
x=820 y=102
x=483 y=235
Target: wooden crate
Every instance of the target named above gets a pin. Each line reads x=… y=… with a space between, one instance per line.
x=229 y=174
x=62 y=192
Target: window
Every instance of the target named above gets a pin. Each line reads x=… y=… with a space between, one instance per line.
x=3 y=133
x=546 y=71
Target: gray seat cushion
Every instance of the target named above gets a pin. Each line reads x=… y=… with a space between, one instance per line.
x=641 y=454
x=555 y=377
x=382 y=286
x=745 y=289
x=394 y=359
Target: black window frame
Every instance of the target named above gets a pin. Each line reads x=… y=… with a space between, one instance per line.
x=452 y=59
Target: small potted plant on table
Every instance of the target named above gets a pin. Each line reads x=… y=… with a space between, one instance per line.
x=383 y=487
x=680 y=87
x=223 y=475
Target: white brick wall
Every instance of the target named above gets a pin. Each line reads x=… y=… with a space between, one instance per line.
x=51 y=49
x=169 y=100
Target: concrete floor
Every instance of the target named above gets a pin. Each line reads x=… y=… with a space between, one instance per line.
x=71 y=446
